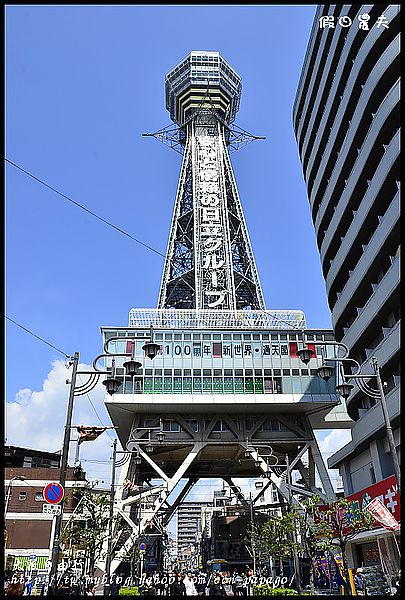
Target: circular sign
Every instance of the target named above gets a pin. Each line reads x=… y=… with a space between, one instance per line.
x=53 y=493
x=142 y=546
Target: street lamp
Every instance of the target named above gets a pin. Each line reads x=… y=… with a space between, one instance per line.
x=112 y=383
x=9 y=487
x=345 y=388
x=150 y=348
x=325 y=372
x=305 y=354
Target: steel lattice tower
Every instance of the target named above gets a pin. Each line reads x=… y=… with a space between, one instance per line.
x=226 y=392
x=209 y=260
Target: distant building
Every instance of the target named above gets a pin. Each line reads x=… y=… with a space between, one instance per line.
x=28 y=528
x=347 y=124
x=225 y=523
x=189 y=531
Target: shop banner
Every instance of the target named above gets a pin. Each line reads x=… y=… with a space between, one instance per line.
x=339 y=562
x=381 y=514
x=325 y=566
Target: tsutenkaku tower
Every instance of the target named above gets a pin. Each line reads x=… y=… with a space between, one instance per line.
x=226 y=395
x=209 y=261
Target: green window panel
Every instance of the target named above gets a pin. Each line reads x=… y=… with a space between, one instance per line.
x=218 y=386
x=167 y=385
x=249 y=385
x=258 y=385
x=177 y=387
x=207 y=385
x=228 y=385
x=197 y=385
x=158 y=385
x=238 y=383
x=148 y=385
x=187 y=385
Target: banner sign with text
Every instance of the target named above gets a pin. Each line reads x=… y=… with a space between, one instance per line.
x=381 y=514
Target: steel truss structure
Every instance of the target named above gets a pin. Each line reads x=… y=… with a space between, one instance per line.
x=201 y=452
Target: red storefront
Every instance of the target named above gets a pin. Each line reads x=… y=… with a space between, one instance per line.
x=378 y=547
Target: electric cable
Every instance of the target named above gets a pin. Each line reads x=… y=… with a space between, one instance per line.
x=84 y=208
x=38 y=337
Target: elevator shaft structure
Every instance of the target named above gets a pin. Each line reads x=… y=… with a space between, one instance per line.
x=209 y=261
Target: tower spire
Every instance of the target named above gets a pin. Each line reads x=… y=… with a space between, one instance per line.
x=209 y=261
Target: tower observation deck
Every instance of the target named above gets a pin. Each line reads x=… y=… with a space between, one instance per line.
x=226 y=388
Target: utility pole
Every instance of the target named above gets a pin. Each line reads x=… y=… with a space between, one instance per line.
x=252 y=526
x=62 y=476
x=110 y=522
x=388 y=428
x=294 y=534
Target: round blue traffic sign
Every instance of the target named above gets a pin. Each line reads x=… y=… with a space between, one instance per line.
x=53 y=493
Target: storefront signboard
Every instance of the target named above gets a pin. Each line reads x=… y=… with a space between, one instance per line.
x=387 y=492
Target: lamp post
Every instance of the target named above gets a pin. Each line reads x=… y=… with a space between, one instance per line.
x=112 y=383
x=294 y=533
x=345 y=388
x=252 y=525
x=9 y=487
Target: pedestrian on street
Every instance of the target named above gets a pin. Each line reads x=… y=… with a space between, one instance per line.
x=178 y=588
x=360 y=582
x=216 y=587
x=114 y=587
x=189 y=584
x=91 y=590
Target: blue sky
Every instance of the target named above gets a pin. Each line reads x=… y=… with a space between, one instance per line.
x=82 y=84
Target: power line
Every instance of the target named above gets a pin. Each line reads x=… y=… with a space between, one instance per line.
x=84 y=208
x=38 y=337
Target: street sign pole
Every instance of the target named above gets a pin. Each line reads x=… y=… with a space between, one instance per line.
x=110 y=522
x=62 y=477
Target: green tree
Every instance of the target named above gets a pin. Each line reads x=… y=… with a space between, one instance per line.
x=337 y=523
x=88 y=526
x=278 y=535
x=272 y=539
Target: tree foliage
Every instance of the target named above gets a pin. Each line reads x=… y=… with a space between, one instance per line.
x=88 y=526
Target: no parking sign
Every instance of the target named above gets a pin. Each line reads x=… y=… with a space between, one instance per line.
x=53 y=493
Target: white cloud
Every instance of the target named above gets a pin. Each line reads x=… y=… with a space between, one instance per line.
x=333 y=441
x=36 y=419
x=329 y=442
